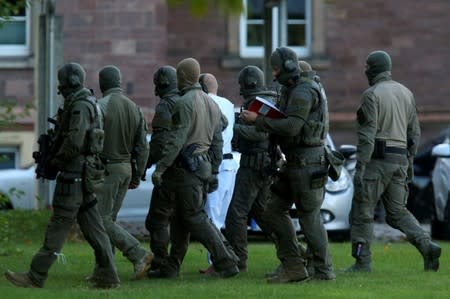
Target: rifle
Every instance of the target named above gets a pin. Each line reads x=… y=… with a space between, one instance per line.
x=48 y=145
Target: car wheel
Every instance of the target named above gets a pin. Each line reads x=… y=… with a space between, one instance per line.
x=440 y=230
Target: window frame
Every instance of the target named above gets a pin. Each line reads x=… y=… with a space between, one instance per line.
x=9 y=150
x=277 y=39
x=18 y=50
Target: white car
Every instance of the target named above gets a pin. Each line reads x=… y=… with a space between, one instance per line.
x=18 y=188
x=440 y=178
x=335 y=208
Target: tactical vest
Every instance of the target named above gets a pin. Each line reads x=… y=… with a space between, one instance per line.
x=315 y=128
x=313 y=132
x=95 y=135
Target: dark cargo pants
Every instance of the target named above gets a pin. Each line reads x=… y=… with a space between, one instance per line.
x=190 y=218
x=157 y=222
x=110 y=200
x=69 y=203
x=250 y=195
x=384 y=179
x=295 y=185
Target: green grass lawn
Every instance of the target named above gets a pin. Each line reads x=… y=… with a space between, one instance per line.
x=397 y=273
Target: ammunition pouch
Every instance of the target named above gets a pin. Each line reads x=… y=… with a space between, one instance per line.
x=312 y=132
x=335 y=163
x=94 y=174
x=187 y=159
x=95 y=140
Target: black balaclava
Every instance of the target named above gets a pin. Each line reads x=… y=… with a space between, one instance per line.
x=109 y=77
x=165 y=80
x=377 y=62
x=188 y=72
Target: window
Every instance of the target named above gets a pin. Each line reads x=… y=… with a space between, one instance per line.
x=9 y=158
x=291 y=27
x=15 y=33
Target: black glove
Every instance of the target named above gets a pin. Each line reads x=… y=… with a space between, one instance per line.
x=213 y=183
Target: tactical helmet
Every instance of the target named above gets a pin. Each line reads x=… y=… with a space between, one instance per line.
x=109 y=77
x=188 y=72
x=165 y=80
x=251 y=80
x=286 y=60
x=71 y=78
x=377 y=62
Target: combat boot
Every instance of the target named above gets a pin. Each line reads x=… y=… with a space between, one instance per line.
x=290 y=274
x=361 y=253
x=21 y=279
x=430 y=252
x=359 y=267
x=329 y=276
x=142 y=265
x=166 y=270
x=225 y=273
x=274 y=272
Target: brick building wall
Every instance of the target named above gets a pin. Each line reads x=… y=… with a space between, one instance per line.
x=140 y=35
x=16 y=86
x=205 y=39
x=129 y=34
x=415 y=35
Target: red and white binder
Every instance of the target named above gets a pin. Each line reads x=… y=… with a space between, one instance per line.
x=265 y=108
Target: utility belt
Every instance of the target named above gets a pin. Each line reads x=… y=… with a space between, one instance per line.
x=228 y=156
x=68 y=180
x=306 y=156
x=114 y=161
x=302 y=161
x=380 y=150
x=256 y=161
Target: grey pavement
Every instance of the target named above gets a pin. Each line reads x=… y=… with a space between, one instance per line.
x=383 y=232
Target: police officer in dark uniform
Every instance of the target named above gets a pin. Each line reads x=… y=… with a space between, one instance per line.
x=73 y=198
x=302 y=181
x=161 y=205
x=388 y=137
x=254 y=175
x=125 y=156
x=190 y=160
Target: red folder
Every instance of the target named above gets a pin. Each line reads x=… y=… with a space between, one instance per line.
x=266 y=108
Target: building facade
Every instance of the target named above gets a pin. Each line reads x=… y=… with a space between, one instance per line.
x=139 y=36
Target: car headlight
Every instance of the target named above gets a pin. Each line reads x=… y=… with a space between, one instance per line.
x=326 y=216
x=340 y=185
